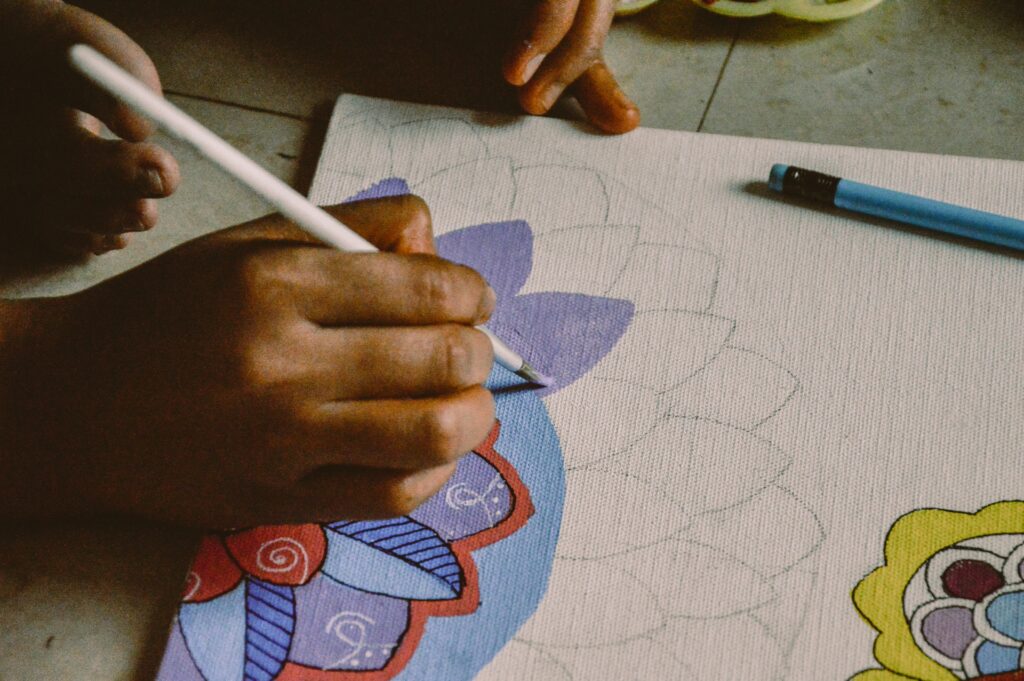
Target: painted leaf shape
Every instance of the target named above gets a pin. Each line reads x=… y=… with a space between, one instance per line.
x=398 y=557
x=948 y=630
x=573 y=331
x=502 y=252
x=341 y=628
x=280 y=554
x=213 y=572
x=391 y=186
x=475 y=498
x=269 y=625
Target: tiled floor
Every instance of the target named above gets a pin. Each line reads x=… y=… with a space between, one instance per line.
x=92 y=601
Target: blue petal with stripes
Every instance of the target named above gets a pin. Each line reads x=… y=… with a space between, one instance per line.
x=269 y=625
x=397 y=557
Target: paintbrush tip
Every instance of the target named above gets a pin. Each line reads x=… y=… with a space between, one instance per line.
x=533 y=376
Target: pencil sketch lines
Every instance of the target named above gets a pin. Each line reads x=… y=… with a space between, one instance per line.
x=680 y=535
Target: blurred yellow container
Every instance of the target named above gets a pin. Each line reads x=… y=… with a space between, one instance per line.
x=807 y=10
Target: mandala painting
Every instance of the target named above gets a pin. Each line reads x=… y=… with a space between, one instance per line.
x=949 y=602
x=435 y=593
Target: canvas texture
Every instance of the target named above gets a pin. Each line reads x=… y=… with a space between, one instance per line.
x=783 y=442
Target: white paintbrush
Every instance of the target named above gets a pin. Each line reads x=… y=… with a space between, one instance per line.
x=293 y=205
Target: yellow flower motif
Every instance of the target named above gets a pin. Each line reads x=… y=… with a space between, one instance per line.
x=912 y=541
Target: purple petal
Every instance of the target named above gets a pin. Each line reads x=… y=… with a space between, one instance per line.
x=950 y=630
x=339 y=627
x=562 y=334
x=392 y=186
x=500 y=251
x=474 y=499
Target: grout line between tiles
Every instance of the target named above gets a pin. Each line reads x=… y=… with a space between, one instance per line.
x=246 y=107
x=718 y=81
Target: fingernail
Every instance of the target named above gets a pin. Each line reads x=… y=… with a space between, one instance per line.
x=107 y=243
x=548 y=98
x=152 y=182
x=532 y=66
x=490 y=301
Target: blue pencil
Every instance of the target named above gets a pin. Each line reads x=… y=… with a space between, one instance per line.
x=892 y=205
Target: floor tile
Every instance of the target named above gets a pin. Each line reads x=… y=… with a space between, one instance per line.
x=938 y=76
x=668 y=60
x=296 y=58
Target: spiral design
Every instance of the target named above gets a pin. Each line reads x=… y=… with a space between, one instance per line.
x=283 y=555
x=192 y=584
x=462 y=496
x=351 y=629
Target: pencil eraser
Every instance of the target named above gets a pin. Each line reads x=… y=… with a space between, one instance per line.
x=776 y=177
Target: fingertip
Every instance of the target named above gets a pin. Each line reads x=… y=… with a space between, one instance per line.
x=512 y=64
x=146 y=214
x=607 y=107
x=621 y=122
x=105 y=243
x=537 y=100
x=488 y=302
x=160 y=174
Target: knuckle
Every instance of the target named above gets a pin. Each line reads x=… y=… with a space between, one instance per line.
x=414 y=489
x=438 y=290
x=262 y=370
x=251 y=273
x=267 y=276
x=585 y=53
x=456 y=355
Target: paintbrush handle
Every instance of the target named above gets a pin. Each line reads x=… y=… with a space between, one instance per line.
x=293 y=205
